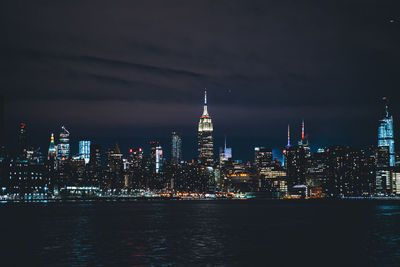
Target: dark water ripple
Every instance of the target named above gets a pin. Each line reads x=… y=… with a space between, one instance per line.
x=201 y=233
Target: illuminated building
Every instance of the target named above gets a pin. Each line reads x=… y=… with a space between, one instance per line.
x=63 y=151
x=263 y=158
x=159 y=159
x=84 y=150
x=136 y=157
x=383 y=177
x=205 y=136
x=396 y=182
x=27 y=176
x=22 y=140
x=114 y=159
x=94 y=166
x=52 y=153
x=225 y=153
x=386 y=135
x=176 y=151
x=287 y=146
x=95 y=156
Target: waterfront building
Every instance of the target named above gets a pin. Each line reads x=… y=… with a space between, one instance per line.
x=205 y=136
x=176 y=149
x=384 y=183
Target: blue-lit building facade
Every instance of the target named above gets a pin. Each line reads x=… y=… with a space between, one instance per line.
x=84 y=150
x=386 y=135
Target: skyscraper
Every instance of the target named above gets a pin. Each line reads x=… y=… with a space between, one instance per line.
x=263 y=158
x=205 y=135
x=63 y=150
x=386 y=135
x=22 y=140
x=159 y=159
x=52 y=153
x=225 y=153
x=176 y=151
x=95 y=156
x=84 y=150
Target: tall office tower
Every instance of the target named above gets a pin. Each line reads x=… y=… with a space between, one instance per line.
x=114 y=159
x=153 y=146
x=22 y=140
x=84 y=150
x=63 y=150
x=225 y=153
x=386 y=135
x=205 y=136
x=52 y=153
x=136 y=157
x=176 y=151
x=159 y=159
x=263 y=158
x=95 y=156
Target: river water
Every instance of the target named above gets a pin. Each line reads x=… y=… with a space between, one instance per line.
x=201 y=233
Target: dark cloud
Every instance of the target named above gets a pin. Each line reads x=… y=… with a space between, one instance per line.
x=127 y=64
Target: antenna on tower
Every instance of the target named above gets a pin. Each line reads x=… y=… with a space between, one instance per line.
x=386 y=100
x=302 y=130
x=288 y=136
x=225 y=142
x=205 y=96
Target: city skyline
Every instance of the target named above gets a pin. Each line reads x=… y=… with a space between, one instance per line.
x=278 y=152
x=198 y=133
x=266 y=65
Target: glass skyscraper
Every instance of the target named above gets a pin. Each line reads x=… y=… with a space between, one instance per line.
x=84 y=150
x=176 y=148
x=386 y=135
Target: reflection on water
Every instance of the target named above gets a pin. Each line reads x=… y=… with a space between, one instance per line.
x=202 y=233
x=384 y=242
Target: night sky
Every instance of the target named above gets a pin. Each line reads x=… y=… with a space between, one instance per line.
x=133 y=71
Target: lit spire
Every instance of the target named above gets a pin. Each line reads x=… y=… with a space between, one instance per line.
x=205 y=111
x=302 y=130
x=52 y=139
x=225 y=142
x=288 y=136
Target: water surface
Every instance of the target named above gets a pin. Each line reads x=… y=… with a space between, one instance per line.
x=201 y=233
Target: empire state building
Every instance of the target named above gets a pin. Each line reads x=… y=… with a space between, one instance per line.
x=205 y=136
